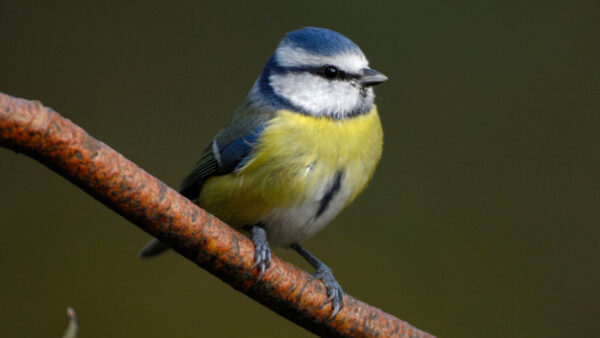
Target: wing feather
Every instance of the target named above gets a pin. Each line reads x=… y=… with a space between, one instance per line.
x=228 y=151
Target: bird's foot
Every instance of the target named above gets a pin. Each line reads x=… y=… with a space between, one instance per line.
x=262 y=251
x=334 y=290
x=323 y=272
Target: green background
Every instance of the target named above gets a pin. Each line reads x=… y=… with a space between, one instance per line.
x=481 y=220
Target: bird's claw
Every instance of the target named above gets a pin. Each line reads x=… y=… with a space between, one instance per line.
x=262 y=259
x=262 y=251
x=334 y=290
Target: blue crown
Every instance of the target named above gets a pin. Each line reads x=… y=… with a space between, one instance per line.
x=320 y=41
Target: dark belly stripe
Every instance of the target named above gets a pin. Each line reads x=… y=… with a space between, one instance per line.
x=335 y=187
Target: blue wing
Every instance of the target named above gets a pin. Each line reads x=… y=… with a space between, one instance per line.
x=234 y=155
x=228 y=151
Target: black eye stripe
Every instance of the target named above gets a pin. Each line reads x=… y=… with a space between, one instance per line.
x=317 y=70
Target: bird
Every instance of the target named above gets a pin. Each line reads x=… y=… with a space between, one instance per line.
x=303 y=144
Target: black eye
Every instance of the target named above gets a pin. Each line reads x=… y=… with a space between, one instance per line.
x=330 y=72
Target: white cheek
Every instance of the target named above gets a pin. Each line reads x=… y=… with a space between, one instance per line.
x=315 y=94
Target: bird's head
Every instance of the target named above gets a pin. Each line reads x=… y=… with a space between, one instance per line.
x=319 y=72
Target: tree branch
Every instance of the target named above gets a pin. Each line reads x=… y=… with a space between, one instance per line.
x=41 y=133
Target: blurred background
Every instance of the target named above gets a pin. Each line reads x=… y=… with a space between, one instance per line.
x=481 y=220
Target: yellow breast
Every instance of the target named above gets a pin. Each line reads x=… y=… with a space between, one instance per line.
x=294 y=157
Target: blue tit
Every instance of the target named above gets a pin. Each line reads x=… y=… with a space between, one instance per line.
x=300 y=148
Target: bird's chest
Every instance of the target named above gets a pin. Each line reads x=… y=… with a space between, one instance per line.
x=316 y=167
x=302 y=153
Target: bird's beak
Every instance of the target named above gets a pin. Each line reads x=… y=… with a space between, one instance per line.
x=370 y=77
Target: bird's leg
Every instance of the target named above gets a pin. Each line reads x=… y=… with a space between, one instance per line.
x=323 y=272
x=262 y=251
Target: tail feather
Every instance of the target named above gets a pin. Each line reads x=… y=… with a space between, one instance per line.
x=153 y=248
